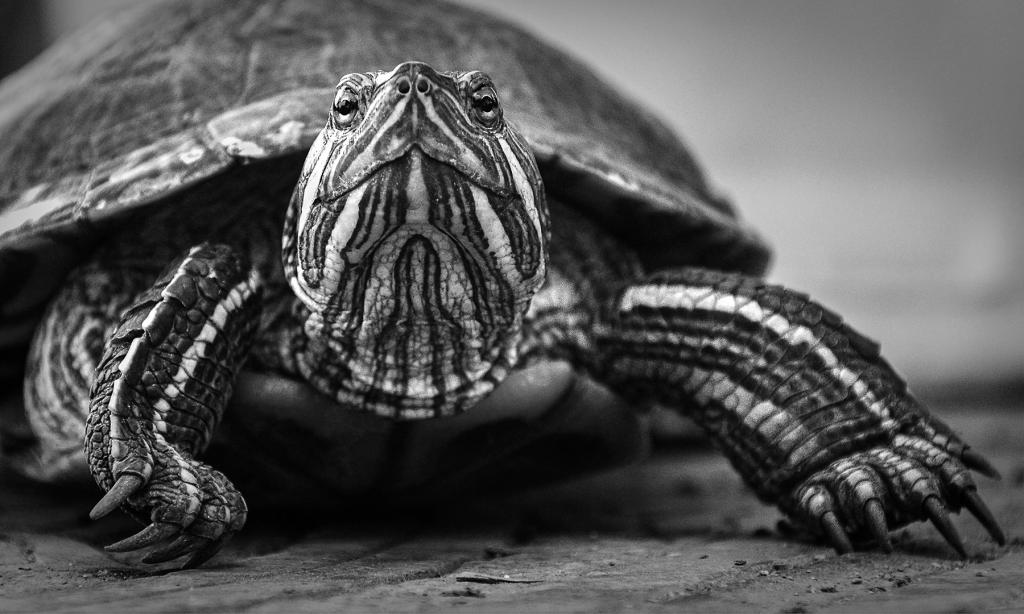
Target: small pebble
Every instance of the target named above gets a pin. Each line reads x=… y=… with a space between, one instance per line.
x=739 y=562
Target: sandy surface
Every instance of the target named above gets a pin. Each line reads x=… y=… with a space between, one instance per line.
x=678 y=532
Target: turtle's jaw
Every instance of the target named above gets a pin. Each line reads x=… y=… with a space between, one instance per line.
x=486 y=235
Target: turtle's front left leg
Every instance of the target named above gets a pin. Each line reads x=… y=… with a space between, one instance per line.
x=807 y=410
x=161 y=388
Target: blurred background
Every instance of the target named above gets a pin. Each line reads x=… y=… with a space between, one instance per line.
x=878 y=145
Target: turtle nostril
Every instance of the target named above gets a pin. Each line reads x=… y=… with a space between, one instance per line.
x=403 y=86
x=422 y=85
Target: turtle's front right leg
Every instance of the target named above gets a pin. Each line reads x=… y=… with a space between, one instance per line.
x=160 y=390
x=806 y=408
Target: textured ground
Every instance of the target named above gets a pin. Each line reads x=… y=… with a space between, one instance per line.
x=676 y=533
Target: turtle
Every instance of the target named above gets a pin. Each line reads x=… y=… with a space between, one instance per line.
x=191 y=195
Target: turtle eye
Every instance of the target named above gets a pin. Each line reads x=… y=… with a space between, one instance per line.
x=346 y=106
x=486 y=109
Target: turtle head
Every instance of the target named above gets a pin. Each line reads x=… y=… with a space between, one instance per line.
x=418 y=228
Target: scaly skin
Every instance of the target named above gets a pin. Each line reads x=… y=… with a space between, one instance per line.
x=160 y=391
x=807 y=410
x=416 y=248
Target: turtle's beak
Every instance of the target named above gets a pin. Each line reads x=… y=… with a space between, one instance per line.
x=414 y=107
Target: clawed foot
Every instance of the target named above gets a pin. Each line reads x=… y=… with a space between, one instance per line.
x=192 y=508
x=864 y=495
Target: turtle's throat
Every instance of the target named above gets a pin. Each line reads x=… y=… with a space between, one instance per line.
x=415 y=337
x=418 y=308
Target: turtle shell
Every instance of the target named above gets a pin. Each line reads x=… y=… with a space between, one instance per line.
x=167 y=96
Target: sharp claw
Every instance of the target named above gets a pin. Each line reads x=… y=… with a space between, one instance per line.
x=980 y=464
x=118 y=494
x=836 y=534
x=972 y=501
x=153 y=533
x=936 y=511
x=176 y=548
x=874 y=515
x=207 y=552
